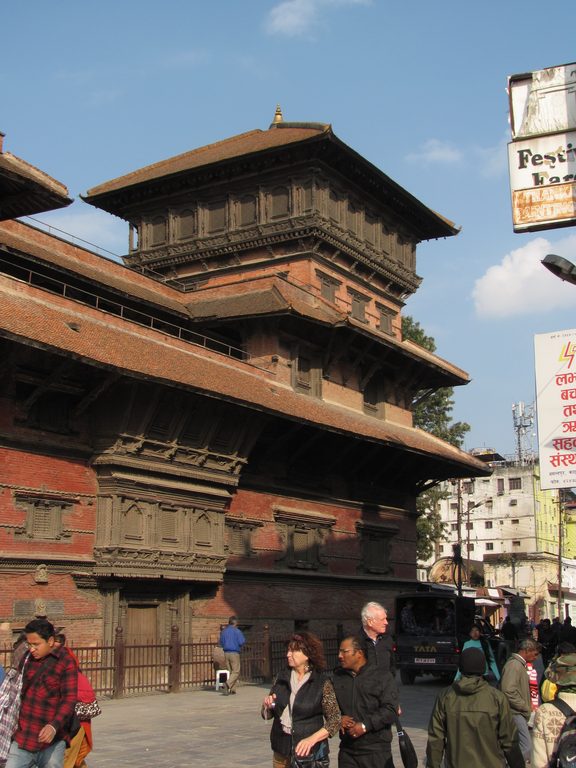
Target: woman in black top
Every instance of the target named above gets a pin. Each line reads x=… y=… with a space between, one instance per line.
x=302 y=704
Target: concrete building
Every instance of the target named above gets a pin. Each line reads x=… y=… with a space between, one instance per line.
x=509 y=530
x=223 y=424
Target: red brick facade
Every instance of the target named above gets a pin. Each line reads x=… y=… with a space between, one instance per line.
x=232 y=432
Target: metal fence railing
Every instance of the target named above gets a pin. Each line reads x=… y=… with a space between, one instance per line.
x=124 y=669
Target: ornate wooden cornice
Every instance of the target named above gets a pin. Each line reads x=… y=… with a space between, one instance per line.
x=157 y=563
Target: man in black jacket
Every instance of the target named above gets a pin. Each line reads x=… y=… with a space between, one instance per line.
x=376 y=641
x=368 y=703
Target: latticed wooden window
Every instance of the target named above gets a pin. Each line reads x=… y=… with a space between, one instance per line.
x=43 y=518
x=186 y=224
x=307 y=197
x=203 y=531
x=168 y=524
x=334 y=205
x=280 y=202
x=43 y=521
x=158 y=231
x=247 y=207
x=133 y=522
x=239 y=540
x=216 y=216
x=162 y=419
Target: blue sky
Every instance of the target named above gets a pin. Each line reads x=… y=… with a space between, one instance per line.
x=91 y=91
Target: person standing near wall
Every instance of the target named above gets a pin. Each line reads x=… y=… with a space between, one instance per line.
x=232 y=640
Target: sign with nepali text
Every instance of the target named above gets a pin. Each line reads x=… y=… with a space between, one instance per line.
x=555 y=361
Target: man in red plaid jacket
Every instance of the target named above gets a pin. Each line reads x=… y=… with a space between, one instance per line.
x=49 y=696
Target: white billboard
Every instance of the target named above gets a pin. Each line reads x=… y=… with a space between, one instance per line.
x=543 y=102
x=542 y=155
x=555 y=361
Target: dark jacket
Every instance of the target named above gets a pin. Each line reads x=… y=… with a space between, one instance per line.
x=307 y=713
x=380 y=654
x=370 y=698
x=472 y=725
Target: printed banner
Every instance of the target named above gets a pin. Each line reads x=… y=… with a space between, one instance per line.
x=555 y=361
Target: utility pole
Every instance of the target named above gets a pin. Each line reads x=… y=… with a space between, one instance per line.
x=560 y=532
x=457 y=548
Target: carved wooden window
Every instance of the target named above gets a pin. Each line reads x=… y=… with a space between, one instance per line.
x=373 y=396
x=203 y=531
x=306 y=372
x=247 y=210
x=371 y=228
x=386 y=317
x=358 y=304
x=307 y=197
x=44 y=518
x=157 y=231
x=328 y=286
x=385 y=239
x=216 y=211
x=376 y=543
x=354 y=219
x=194 y=430
x=239 y=540
x=133 y=523
x=280 y=202
x=409 y=255
x=159 y=427
x=334 y=205
x=223 y=438
x=303 y=533
x=168 y=525
x=186 y=223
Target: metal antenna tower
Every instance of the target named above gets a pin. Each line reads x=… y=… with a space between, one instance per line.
x=523 y=418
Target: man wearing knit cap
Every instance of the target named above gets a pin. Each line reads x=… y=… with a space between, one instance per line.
x=549 y=717
x=471 y=724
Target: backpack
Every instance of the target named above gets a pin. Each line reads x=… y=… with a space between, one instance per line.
x=565 y=753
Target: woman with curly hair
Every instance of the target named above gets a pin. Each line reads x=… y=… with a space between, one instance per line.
x=302 y=704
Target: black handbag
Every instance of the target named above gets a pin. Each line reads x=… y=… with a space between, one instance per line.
x=318 y=758
x=407 y=751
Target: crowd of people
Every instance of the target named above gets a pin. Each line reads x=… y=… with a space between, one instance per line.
x=46 y=703
x=516 y=713
x=519 y=712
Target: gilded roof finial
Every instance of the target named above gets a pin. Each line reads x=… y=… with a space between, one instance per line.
x=278 y=118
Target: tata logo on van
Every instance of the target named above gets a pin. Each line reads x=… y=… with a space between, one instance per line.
x=425 y=649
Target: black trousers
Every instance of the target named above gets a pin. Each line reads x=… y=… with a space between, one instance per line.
x=381 y=758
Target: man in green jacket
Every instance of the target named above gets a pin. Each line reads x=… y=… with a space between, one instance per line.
x=515 y=685
x=471 y=724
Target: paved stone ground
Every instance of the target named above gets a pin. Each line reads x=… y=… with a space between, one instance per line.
x=205 y=728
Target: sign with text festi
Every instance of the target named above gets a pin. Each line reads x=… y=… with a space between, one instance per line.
x=555 y=361
x=542 y=154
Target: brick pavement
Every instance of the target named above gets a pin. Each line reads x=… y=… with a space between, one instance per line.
x=205 y=728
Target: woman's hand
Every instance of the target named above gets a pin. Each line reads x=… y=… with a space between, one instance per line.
x=270 y=701
x=304 y=747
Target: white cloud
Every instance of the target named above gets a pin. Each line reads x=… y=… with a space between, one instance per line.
x=87 y=227
x=488 y=162
x=295 y=18
x=434 y=151
x=520 y=285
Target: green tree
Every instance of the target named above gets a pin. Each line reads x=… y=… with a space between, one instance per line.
x=432 y=413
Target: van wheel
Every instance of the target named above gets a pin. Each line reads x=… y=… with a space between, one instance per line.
x=407 y=677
